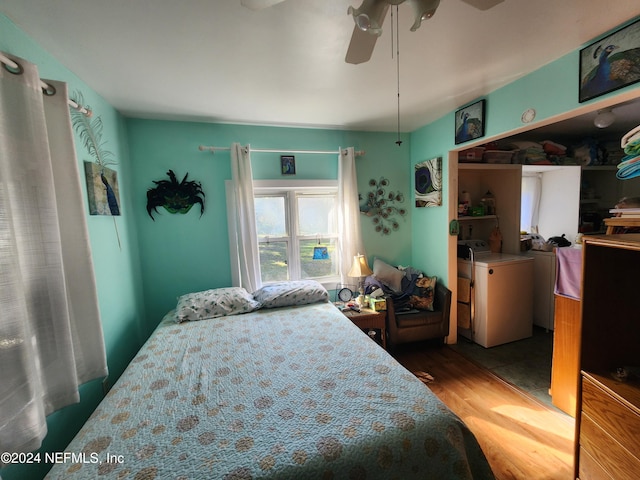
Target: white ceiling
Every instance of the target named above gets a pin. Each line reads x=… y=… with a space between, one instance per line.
x=214 y=60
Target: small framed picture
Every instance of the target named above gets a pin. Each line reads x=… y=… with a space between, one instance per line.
x=469 y=122
x=287 y=165
x=610 y=63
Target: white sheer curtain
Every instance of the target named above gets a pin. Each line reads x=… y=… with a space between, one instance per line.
x=243 y=236
x=50 y=333
x=349 y=212
x=531 y=191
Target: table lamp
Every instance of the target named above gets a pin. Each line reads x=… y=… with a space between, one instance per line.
x=360 y=269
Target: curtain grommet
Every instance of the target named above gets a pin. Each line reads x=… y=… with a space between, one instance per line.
x=18 y=70
x=49 y=91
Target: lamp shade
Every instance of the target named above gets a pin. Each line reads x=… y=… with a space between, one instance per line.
x=359 y=268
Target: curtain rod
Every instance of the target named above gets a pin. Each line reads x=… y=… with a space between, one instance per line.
x=204 y=148
x=45 y=86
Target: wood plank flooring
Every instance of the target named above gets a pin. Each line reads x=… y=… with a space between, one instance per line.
x=521 y=437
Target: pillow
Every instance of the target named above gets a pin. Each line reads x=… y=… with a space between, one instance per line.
x=388 y=275
x=286 y=294
x=214 y=303
x=423 y=293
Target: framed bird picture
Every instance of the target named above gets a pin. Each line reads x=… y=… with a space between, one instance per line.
x=102 y=189
x=287 y=165
x=610 y=63
x=469 y=122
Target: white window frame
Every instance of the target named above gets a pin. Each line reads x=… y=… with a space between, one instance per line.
x=291 y=189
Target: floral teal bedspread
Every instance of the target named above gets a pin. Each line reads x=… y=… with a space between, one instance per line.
x=293 y=393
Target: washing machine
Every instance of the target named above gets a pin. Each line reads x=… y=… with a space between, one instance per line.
x=501 y=294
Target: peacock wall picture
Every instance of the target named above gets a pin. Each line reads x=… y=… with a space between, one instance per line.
x=469 y=122
x=428 y=183
x=102 y=189
x=610 y=63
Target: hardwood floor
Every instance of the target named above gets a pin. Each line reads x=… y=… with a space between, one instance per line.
x=521 y=437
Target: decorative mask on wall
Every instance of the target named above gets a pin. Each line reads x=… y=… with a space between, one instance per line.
x=173 y=196
x=380 y=205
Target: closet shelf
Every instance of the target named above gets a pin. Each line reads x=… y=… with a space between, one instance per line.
x=468 y=218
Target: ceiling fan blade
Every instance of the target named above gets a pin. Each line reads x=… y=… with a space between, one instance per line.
x=259 y=4
x=362 y=42
x=483 y=4
x=361 y=46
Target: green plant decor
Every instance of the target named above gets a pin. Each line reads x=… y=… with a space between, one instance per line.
x=173 y=196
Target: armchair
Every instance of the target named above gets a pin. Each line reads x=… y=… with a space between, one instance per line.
x=418 y=325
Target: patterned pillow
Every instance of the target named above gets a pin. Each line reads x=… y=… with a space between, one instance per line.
x=214 y=303
x=286 y=294
x=423 y=293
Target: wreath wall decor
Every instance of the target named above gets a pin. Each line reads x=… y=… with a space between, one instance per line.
x=381 y=206
x=173 y=196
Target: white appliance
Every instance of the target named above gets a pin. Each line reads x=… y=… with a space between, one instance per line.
x=502 y=289
x=544 y=281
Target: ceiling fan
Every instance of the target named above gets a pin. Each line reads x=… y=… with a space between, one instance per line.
x=370 y=16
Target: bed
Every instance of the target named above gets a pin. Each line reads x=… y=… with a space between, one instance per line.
x=286 y=389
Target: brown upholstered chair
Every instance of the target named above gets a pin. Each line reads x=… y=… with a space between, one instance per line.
x=418 y=325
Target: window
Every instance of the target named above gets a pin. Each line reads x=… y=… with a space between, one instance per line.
x=530 y=202
x=297 y=232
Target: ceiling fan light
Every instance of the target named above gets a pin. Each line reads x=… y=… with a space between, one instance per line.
x=368 y=16
x=363 y=22
x=423 y=10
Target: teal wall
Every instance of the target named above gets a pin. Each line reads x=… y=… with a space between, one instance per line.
x=185 y=253
x=551 y=90
x=116 y=269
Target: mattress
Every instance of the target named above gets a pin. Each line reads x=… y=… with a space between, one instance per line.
x=297 y=392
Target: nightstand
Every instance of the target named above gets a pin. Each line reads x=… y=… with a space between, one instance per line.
x=369 y=320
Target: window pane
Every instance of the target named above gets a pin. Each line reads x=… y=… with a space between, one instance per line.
x=273 y=261
x=316 y=215
x=270 y=217
x=315 y=262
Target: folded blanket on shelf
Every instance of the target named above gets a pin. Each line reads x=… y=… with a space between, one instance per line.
x=631 y=142
x=629 y=167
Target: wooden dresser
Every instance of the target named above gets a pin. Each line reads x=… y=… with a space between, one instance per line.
x=608 y=410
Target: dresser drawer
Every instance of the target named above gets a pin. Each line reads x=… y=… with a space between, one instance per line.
x=611 y=415
x=590 y=469
x=606 y=451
